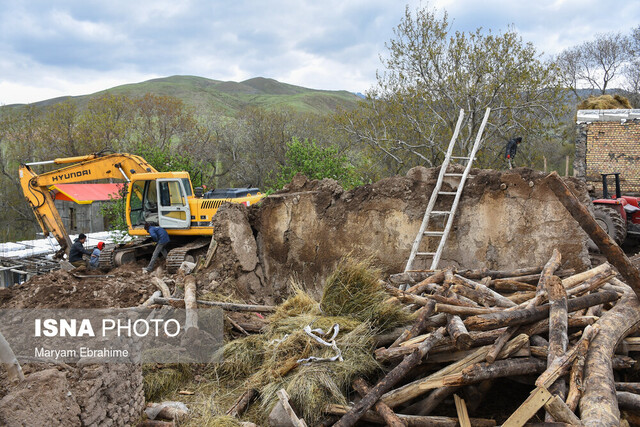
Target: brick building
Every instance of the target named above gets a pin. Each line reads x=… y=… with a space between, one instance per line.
x=608 y=141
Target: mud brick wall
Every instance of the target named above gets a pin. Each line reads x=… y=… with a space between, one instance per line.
x=81 y=396
x=608 y=147
x=110 y=394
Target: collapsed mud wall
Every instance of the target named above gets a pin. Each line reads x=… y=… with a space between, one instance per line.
x=504 y=220
x=82 y=395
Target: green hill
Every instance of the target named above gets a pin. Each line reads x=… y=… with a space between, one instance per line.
x=229 y=97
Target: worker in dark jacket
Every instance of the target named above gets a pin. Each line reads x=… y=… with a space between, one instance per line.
x=77 y=250
x=512 y=149
x=161 y=237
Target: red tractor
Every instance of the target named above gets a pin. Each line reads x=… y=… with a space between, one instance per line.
x=618 y=215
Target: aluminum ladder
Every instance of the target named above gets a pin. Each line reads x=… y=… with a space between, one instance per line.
x=430 y=212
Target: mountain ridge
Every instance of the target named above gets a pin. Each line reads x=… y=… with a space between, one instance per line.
x=226 y=97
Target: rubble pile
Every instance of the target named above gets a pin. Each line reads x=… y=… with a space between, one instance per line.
x=499 y=344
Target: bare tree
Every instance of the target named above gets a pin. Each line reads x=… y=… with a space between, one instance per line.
x=595 y=64
x=431 y=73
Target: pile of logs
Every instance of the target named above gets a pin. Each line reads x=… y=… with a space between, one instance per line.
x=557 y=328
x=567 y=331
x=477 y=326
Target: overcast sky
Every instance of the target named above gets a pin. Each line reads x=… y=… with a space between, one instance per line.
x=52 y=48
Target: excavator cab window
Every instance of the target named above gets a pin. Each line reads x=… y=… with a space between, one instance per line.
x=135 y=203
x=174 y=209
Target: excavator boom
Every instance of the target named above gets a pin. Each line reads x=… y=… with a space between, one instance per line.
x=35 y=187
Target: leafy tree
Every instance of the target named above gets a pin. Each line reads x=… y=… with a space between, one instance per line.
x=315 y=162
x=431 y=74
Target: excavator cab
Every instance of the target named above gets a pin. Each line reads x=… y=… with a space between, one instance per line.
x=161 y=201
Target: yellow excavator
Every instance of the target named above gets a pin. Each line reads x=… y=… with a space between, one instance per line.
x=161 y=198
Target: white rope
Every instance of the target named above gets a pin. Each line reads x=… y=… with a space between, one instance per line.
x=329 y=343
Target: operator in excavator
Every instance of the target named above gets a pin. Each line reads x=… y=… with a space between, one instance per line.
x=77 y=250
x=161 y=237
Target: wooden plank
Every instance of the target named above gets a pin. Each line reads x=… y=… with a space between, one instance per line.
x=538 y=398
x=461 y=409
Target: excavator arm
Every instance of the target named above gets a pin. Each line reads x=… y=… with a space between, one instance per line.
x=36 y=191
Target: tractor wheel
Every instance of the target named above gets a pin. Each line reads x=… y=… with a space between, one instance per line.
x=610 y=220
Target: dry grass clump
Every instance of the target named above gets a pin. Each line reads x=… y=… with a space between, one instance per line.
x=240 y=357
x=605 y=102
x=354 y=290
x=353 y=299
x=160 y=381
x=311 y=387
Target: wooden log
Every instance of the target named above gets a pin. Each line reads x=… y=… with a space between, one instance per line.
x=361 y=386
x=558 y=331
x=162 y=286
x=405 y=297
x=628 y=401
x=461 y=409
x=456 y=329
x=424 y=285
x=558 y=410
x=242 y=403
x=223 y=305
x=236 y=326
x=533 y=314
x=393 y=377
x=213 y=245
x=521 y=298
x=508 y=285
x=576 y=279
x=547 y=275
x=454 y=356
x=424 y=313
x=622 y=362
x=575 y=382
x=598 y=403
x=591 y=284
x=190 y=304
x=603 y=241
x=498 y=274
x=478 y=338
x=489 y=296
x=499 y=343
x=464 y=311
x=561 y=365
x=435 y=380
x=411 y=420
x=150 y=300
x=431 y=402
x=458 y=300
x=499 y=369
x=535 y=278
x=542 y=326
x=628 y=387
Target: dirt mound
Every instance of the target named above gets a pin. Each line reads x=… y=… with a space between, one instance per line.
x=505 y=220
x=121 y=287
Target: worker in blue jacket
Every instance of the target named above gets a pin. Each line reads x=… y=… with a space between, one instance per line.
x=161 y=237
x=512 y=149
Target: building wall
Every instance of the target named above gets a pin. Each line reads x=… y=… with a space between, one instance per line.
x=608 y=147
x=81 y=218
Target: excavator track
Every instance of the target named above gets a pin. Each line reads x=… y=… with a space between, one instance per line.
x=114 y=255
x=177 y=256
x=105 y=262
